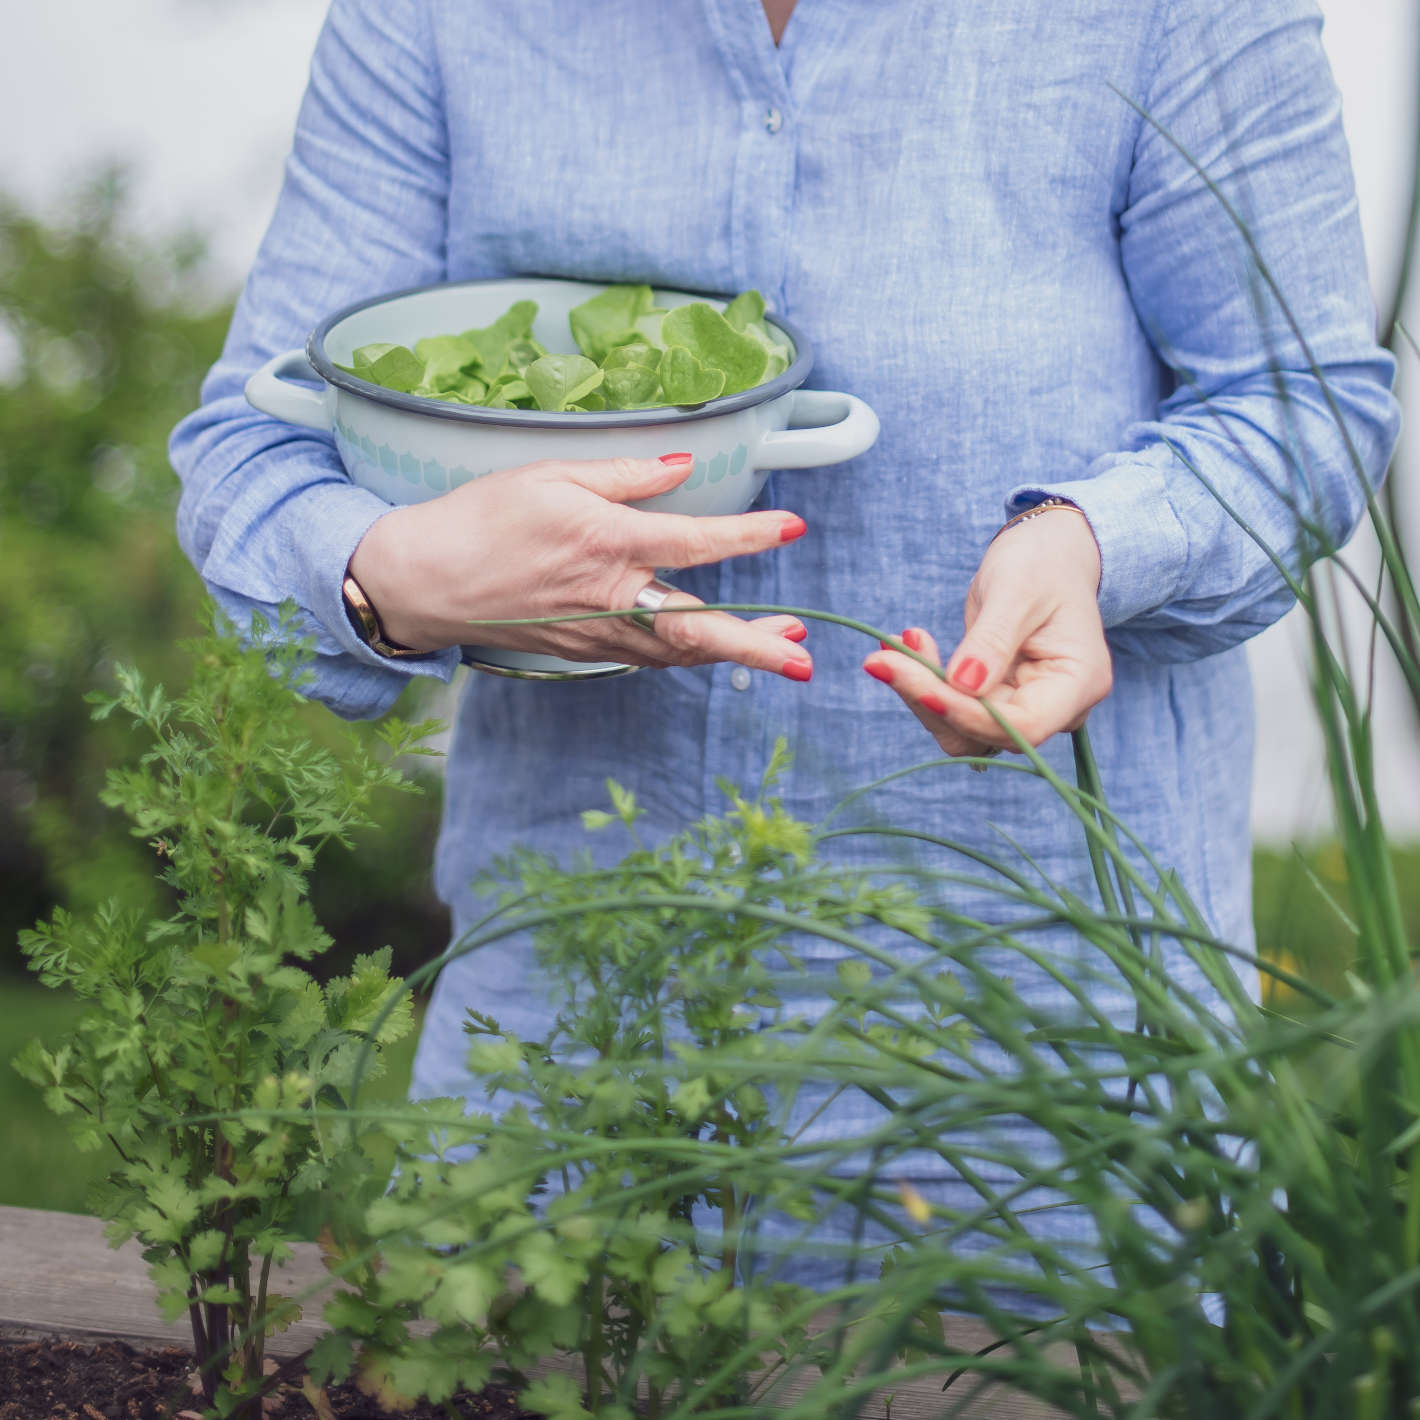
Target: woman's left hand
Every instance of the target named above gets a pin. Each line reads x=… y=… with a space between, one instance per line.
x=1034 y=643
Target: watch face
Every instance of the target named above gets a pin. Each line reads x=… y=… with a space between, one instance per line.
x=366 y=624
x=359 y=612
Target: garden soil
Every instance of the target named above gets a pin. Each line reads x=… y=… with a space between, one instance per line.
x=110 y=1380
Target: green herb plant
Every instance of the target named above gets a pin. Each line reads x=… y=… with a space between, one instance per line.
x=604 y=1212
x=633 y=355
x=201 y=1020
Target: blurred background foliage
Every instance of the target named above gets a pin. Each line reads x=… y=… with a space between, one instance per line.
x=103 y=344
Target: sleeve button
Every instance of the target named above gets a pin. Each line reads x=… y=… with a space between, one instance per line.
x=773 y=120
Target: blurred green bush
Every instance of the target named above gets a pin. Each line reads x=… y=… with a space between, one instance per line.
x=1303 y=909
x=103 y=343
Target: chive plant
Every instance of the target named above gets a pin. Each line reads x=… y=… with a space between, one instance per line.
x=1246 y=1178
x=1252 y=1220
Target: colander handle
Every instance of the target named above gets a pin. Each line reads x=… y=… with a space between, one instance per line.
x=278 y=397
x=827 y=427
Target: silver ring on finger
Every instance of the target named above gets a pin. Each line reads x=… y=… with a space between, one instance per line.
x=650 y=599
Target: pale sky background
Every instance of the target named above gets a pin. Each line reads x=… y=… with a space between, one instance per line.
x=199 y=96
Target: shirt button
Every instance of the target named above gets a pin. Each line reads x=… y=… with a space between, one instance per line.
x=739 y=678
x=773 y=120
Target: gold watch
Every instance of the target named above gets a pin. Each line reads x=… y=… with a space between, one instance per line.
x=367 y=624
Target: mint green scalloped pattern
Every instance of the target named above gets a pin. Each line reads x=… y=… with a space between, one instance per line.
x=393 y=467
x=396 y=466
x=714 y=470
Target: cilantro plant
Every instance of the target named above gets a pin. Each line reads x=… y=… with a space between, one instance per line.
x=607 y=1210
x=634 y=355
x=201 y=1021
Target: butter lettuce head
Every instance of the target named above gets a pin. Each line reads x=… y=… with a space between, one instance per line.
x=633 y=355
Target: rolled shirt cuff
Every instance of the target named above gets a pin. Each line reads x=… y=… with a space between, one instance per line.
x=1143 y=545
x=318 y=554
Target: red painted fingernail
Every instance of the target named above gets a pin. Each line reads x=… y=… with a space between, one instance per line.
x=676 y=460
x=912 y=638
x=796 y=633
x=970 y=675
x=794 y=527
x=882 y=673
x=798 y=670
x=887 y=645
x=934 y=703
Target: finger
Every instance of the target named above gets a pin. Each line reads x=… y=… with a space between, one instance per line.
x=626 y=480
x=941 y=708
x=989 y=646
x=917 y=640
x=789 y=627
x=916 y=686
x=924 y=645
x=1049 y=698
x=700 y=637
x=680 y=540
x=1043 y=696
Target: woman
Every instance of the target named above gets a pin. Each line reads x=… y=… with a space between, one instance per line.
x=991 y=221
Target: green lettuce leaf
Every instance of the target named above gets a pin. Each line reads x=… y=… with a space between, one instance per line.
x=609 y=319
x=393 y=366
x=777 y=355
x=522 y=352
x=448 y=361
x=746 y=315
x=471 y=391
x=509 y=391
x=684 y=380
x=367 y=354
x=746 y=309
x=559 y=380
x=633 y=375
x=701 y=330
x=492 y=341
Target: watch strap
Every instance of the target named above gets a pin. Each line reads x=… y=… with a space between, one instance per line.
x=366 y=624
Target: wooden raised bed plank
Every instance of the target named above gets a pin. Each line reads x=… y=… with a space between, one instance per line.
x=59 y=1277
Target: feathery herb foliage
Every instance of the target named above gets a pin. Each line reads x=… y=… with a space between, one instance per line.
x=198 y=1021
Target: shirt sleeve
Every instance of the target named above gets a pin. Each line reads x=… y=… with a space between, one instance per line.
x=1241 y=245
x=267 y=512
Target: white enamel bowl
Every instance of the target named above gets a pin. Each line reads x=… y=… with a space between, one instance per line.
x=406 y=448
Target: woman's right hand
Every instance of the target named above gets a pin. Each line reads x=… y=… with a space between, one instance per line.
x=556 y=539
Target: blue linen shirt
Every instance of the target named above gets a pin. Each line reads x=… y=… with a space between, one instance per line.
x=965 y=209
